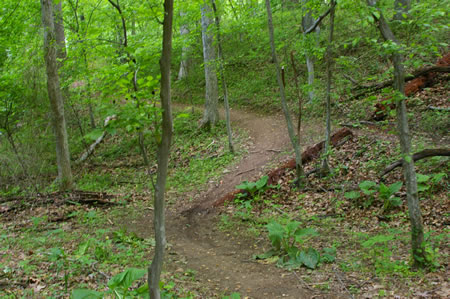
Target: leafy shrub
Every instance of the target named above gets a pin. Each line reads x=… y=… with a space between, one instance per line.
x=286 y=246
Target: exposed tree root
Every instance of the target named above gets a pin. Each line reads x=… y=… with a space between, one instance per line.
x=308 y=155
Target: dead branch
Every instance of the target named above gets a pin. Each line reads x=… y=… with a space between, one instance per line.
x=92 y=147
x=446 y=109
x=418 y=156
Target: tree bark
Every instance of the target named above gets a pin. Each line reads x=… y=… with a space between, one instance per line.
x=55 y=97
x=224 y=82
x=185 y=60
x=154 y=270
x=325 y=166
x=293 y=138
x=415 y=215
x=307 y=22
x=211 y=114
x=59 y=31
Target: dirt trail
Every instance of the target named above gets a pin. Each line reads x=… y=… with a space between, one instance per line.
x=223 y=264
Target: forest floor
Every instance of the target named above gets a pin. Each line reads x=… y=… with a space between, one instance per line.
x=211 y=247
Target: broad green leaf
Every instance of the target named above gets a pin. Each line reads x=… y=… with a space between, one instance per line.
x=276 y=234
x=309 y=258
x=368 y=187
x=86 y=294
x=421 y=178
x=395 y=187
x=261 y=183
x=352 y=195
x=265 y=255
x=125 y=279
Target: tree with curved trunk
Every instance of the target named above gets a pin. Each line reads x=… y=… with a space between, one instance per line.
x=211 y=114
x=284 y=106
x=409 y=173
x=55 y=96
x=154 y=271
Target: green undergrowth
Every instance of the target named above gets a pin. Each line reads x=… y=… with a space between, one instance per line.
x=196 y=156
x=350 y=221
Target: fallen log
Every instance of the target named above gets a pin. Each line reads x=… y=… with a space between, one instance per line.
x=387 y=83
x=308 y=155
x=421 y=79
x=418 y=156
x=92 y=147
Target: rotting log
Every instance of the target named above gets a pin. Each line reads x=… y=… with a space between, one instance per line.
x=421 y=78
x=308 y=155
x=418 y=156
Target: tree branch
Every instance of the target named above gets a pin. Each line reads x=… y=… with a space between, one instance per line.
x=319 y=20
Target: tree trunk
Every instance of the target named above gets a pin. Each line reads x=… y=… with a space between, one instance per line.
x=401 y=9
x=415 y=215
x=325 y=166
x=293 y=138
x=59 y=31
x=154 y=271
x=55 y=97
x=222 y=75
x=185 y=61
x=211 y=114
x=307 y=22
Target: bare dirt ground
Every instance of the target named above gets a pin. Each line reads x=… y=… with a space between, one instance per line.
x=222 y=262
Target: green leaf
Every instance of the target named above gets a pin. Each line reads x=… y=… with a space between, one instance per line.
x=395 y=187
x=306 y=232
x=352 y=195
x=86 y=294
x=384 y=190
x=262 y=182
x=265 y=255
x=94 y=135
x=276 y=234
x=396 y=201
x=125 y=279
x=368 y=187
x=328 y=255
x=309 y=258
x=421 y=178
x=377 y=239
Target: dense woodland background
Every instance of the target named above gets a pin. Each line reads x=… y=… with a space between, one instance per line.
x=67 y=214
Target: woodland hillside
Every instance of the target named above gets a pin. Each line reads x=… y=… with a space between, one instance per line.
x=224 y=149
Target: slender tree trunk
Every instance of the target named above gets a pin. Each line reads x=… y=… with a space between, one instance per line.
x=401 y=9
x=224 y=82
x=185 y=60
x=307 y=22
x=325 y=166
x=415 y=215
x=154 y=271
x=293 y=138
x=61 y=52
x=211 y=114
x=55 y=97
